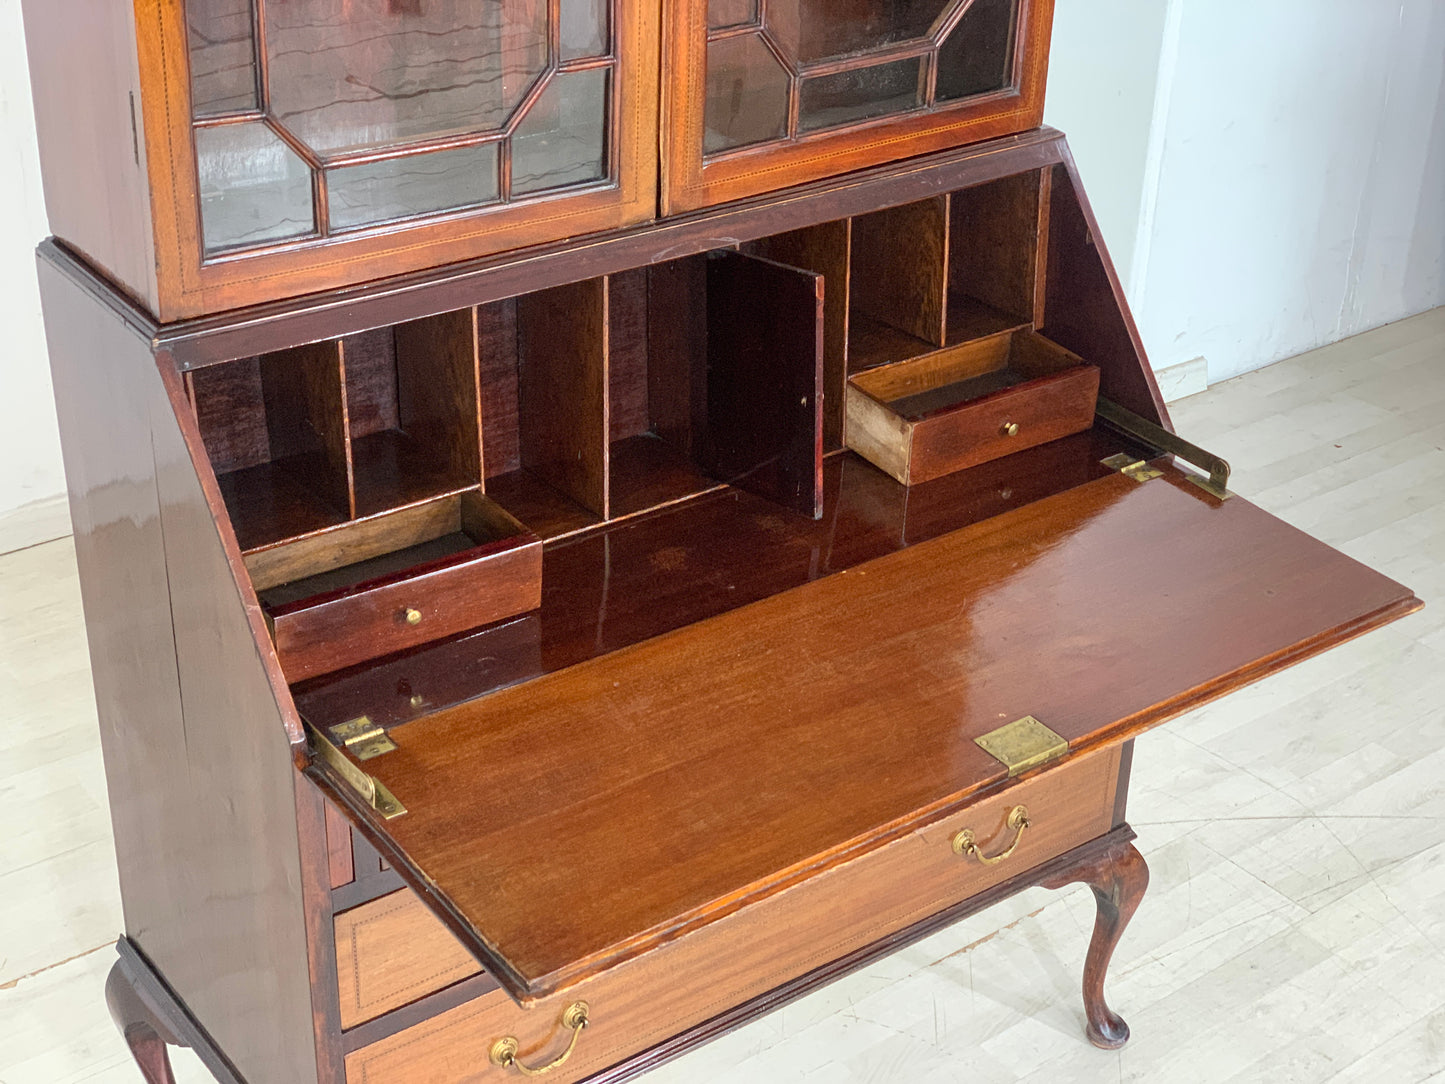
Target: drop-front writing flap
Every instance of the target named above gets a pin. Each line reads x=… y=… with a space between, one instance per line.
x=578 y=820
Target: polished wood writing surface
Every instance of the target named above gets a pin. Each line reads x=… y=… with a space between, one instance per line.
x=639 y=795
x=695 y=561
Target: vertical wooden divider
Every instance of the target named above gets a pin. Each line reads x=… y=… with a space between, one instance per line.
x=999 y=255
x=677 y=351
x=305 y=397
x=628 y=370
x=899 y=260
x=1041 y=251
x=562 y=340
x=438 y=377
x=497 y=376
x=826 y=250
x=477 y=392
x=343 y=443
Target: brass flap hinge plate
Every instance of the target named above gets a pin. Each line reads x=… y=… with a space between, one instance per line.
x=1023 y=744
x=363 y=738
x=371 y=790
x=1126 y=421
x=1127 y=465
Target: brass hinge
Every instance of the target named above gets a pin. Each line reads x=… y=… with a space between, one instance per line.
x=1023 y=744
x=372 y=791
x=1217 y=484
x=363 y=738
x=1137 y=469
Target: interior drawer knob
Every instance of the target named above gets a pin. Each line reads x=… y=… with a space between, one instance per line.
x=504 y=1050
x=412 y=616
x=966 y=843
x=1009 y=429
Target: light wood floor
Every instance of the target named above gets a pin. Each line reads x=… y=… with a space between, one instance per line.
x=1294 y=930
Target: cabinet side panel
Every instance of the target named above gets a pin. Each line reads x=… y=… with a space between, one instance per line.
x=105 y=440
x=253 y=988
x=198 y=763
x=86 y=82
x=1084 y=306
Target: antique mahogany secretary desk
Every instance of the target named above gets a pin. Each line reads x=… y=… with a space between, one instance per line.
x=597 y=517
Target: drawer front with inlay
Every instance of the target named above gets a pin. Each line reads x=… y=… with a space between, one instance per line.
x=688 y=981
x=392 y=951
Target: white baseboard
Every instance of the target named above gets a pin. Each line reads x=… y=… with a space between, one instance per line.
x=1182 y=380
x=33 y=523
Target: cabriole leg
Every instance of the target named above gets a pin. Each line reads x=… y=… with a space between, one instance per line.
x=144 y=1033
x=1118 y=877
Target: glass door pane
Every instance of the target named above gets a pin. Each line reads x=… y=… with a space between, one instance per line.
x=800 y=66
x=393 y=109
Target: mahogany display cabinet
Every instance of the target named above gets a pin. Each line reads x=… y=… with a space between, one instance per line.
x=212 y=154
x=540 y=627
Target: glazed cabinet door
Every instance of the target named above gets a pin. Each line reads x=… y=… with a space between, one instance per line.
x=762 y=94
x=303 y=144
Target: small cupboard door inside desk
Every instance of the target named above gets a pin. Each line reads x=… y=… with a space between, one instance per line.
x=580 y=820
x=762 y=94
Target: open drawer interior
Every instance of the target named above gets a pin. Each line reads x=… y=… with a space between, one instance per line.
x=963 y=405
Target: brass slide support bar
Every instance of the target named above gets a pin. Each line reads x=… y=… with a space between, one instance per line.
x=1217 y=484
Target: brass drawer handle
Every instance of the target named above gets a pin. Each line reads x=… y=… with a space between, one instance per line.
x=966 y=844
x=1009 y=429
x=504 y=1050
x=412 y=616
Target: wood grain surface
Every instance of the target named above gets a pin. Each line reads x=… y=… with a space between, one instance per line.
x=562 y=370
x=994 y=250
x=199 y=768
x=392 y=951
x=900 y=267
x=765 y=379
x=760 y=947
x=823 y=249
x=490 y=582
x=849 y=706
x=695 y=561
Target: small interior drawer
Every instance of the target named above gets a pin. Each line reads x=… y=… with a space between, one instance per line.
x=955 y=408
x=384 y=584
x=754 y=950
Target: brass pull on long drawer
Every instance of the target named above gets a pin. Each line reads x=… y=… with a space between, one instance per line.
x=966 y=843
x=504 y=1050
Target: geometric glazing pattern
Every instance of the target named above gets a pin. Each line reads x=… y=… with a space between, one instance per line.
x=393 y=108
x=778 y=69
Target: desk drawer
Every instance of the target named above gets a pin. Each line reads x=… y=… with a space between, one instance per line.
x=688 y=981
x=964 y=405
x=392 y=951
x=389 y=583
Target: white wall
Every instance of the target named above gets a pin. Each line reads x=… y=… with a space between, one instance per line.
x=1103 y=83
x=30 y=468
x=1294 y=189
